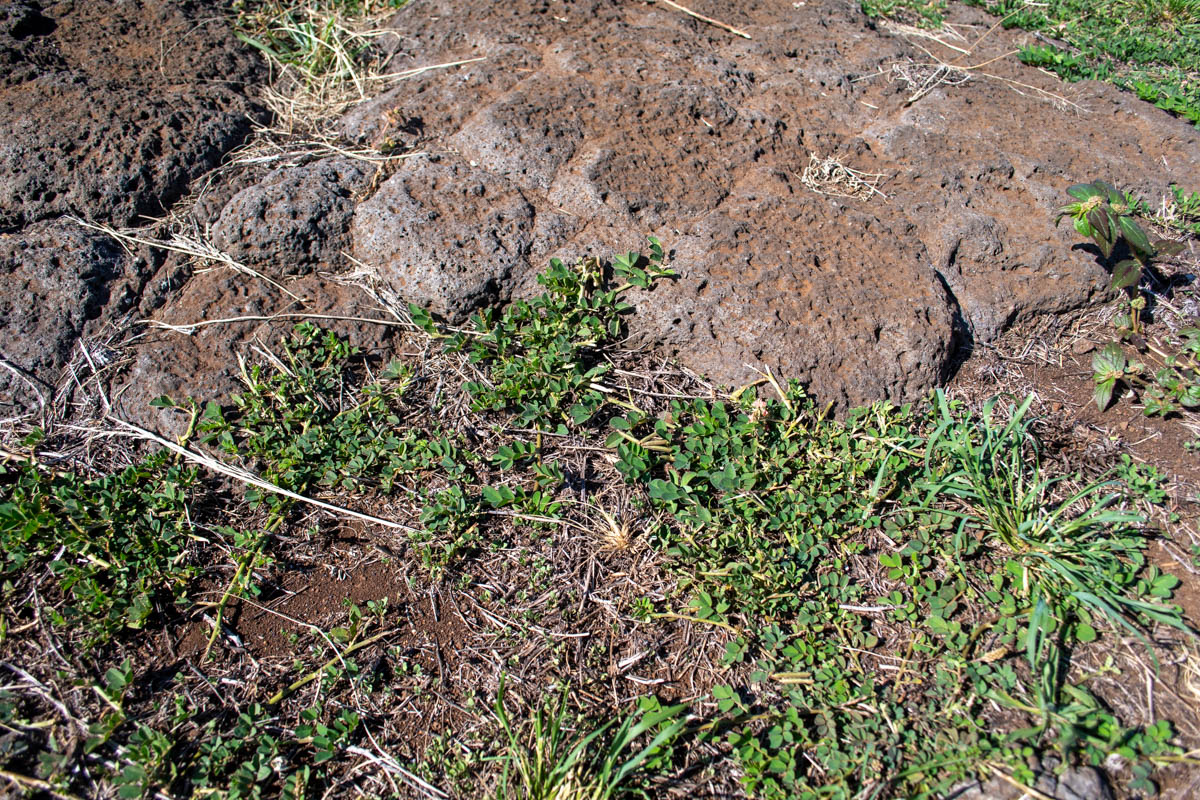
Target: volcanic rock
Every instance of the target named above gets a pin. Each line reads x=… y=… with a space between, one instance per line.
x=445 y=235
x=295 y=219
x=588 y=125
x=54 y=277
x=108 y=109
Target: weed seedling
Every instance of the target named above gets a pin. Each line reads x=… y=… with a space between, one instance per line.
x=1106 y=215
x=542 y=354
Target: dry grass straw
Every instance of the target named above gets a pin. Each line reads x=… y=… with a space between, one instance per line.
x=129 y=429
x=921 y=79
x=829 y=176
x=303 y=106
x=952 y=72
x=79 y=391
x=1169 y=217
x=339 y=62
x=188 y=242
x=947 y=35
x=716 y=23
x=270 y=149
x=366 y=278
x=330 y=59
x=615 y=530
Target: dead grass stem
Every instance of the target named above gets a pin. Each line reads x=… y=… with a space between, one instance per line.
x=716 y=23
x=191 y=243
x=830 y=177
x=129 y=429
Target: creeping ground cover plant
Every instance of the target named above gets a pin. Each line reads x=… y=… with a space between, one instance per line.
x=595 y=583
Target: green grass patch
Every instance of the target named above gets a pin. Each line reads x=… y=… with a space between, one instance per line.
x=545 y=760
x=321 y=39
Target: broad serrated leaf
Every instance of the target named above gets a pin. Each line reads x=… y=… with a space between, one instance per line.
x=1109 y=362
x=1126 y=273
x=1082 y=191
x=1135 y=236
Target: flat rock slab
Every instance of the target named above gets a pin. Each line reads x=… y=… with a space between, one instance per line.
x=590 y=124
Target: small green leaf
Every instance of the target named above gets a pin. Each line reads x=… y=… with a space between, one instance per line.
x=421 y=318
x=1166 y=247
x=115 y=679
x=1109 y=362
x=1083 y=191
x=1104 y=392
x=1107 y=190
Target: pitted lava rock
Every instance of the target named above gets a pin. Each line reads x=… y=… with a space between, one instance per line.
x=613 y=120
x=445 y=235
x=297 y=218
x=579 y=127
x=54 y=277
x=108 y=110
x=111 y=108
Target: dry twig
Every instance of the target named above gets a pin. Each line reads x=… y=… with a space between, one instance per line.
x=702 y=18
x=194 y=246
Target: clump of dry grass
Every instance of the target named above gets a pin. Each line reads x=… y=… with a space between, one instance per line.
x=921 y=79
x=325 y=56
x=829 y=176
